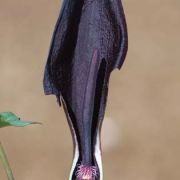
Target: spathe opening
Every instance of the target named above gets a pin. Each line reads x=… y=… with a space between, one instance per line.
x=99 y=92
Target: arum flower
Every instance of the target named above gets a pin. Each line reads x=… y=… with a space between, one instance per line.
x=89 y=42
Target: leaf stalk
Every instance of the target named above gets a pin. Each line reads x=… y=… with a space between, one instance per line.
x=5 y=163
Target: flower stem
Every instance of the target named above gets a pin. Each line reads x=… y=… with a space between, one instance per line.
x=5 y=163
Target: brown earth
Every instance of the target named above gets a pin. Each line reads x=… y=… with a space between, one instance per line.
x=141 y=132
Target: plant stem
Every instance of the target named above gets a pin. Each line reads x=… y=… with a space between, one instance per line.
x=5 y=162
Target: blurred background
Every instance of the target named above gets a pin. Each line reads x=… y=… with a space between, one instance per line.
x=141 y=130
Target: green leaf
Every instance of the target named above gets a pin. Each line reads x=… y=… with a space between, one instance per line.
x=10 y=119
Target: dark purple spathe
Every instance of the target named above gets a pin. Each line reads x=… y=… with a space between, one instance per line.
x=89 y=41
